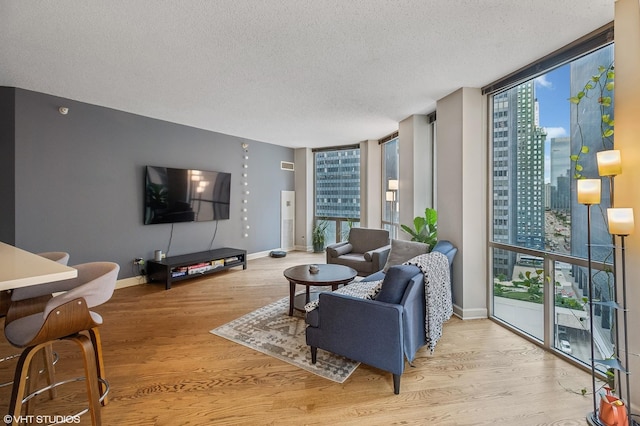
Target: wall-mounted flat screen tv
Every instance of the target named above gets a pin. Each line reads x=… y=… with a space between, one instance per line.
x=185 y=195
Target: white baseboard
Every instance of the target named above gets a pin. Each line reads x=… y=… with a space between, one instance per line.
x=470 y=314
x=266 y=253
x=130 y=282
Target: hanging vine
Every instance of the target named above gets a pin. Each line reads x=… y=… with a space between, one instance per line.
x=600 y=85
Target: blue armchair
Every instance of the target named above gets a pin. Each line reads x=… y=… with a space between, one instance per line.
x=380 y=333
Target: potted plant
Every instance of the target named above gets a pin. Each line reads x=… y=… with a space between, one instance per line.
x=425 y=228
x=318 y=235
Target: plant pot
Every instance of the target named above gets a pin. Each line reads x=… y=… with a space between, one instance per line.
x=318 y=247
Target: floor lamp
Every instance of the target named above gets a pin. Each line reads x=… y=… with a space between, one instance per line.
x=392 y=196
x=621 y=224
x=610 y=166
x=588 y=191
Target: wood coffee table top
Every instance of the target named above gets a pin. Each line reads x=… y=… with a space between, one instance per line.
x=326 y=275
x=333 y=275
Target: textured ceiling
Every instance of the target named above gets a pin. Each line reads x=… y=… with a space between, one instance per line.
x=296 y=73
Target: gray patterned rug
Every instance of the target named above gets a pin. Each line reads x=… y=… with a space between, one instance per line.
x=272 y=331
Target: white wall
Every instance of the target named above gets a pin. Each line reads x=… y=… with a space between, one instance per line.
x=627 y=140
x=370 y=184
x=303 y=183
x=461 y=191
x=415 y=175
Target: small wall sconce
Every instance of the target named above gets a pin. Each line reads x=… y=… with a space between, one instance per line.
x=63 y=110
x=620 y=221
x=589 y=191
x=609 y=163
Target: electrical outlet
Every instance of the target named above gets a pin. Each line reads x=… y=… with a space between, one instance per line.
x=138 y=261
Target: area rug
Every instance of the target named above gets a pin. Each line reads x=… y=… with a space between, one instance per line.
x=272 y=331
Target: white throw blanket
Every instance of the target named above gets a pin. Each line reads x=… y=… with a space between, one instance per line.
x=437 y=290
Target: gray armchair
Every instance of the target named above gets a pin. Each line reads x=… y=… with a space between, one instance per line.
x=366 y=250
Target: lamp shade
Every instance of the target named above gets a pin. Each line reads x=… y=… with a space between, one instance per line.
x=393 y=184
x=620 y=221
x=390 y=196
x=609 y=162
x=589 y=191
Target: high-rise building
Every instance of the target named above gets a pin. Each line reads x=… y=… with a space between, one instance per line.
x=518 y=156
x=560 y=160
x=338 y=183
x=586 y=132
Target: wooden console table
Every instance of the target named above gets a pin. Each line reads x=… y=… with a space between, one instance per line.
x=193 y=265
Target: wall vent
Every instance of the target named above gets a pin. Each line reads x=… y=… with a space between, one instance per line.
x=286 y=165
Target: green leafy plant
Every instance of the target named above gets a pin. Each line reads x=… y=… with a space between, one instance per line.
x=345 y=232
x=318 y=235
x=600 y=86
x=425 y=229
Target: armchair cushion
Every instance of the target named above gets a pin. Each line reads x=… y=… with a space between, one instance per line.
x=339 y=249
x=368 y=256
x=365 y=239
x=395 y=283
x=401 y=251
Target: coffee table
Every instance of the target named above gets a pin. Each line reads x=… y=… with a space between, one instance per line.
x=327 y=275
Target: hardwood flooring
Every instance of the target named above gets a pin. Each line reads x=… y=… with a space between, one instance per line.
x=165 y=368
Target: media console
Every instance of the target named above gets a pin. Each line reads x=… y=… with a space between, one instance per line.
x=193 y=265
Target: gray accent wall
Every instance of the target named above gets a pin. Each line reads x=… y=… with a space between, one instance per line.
x=79 y=182
x=7 y=169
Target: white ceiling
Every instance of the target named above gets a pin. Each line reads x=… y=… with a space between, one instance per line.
x=296 y=73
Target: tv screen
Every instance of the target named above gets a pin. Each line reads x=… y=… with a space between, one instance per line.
x=185 y=195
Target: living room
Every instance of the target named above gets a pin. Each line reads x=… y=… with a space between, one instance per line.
x=75 y=180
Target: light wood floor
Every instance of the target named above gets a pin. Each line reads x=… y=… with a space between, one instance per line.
x=165 y=368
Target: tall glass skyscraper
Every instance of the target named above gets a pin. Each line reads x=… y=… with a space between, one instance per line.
x=338 y=183
x=586 y=131
x=518 y=177
x=587 y=120
x=560 y=174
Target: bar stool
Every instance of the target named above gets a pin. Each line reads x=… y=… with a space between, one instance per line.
x=5 y=300
x=65 y=317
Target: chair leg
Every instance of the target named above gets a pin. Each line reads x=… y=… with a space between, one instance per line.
x=396 y=384
x=94 y=334
x=91 y=379
x=32 y=383
x=20 y=381
x=49 y=371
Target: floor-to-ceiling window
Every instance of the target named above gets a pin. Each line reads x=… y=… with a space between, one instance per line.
x=544 y=133
x=390 y=187
x=337 y=190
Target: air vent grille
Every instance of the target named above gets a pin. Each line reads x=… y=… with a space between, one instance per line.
x=286 y=165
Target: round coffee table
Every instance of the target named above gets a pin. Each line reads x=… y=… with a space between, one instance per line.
x=333 y=275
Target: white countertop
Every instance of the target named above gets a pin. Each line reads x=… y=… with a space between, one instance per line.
x=20 y=268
